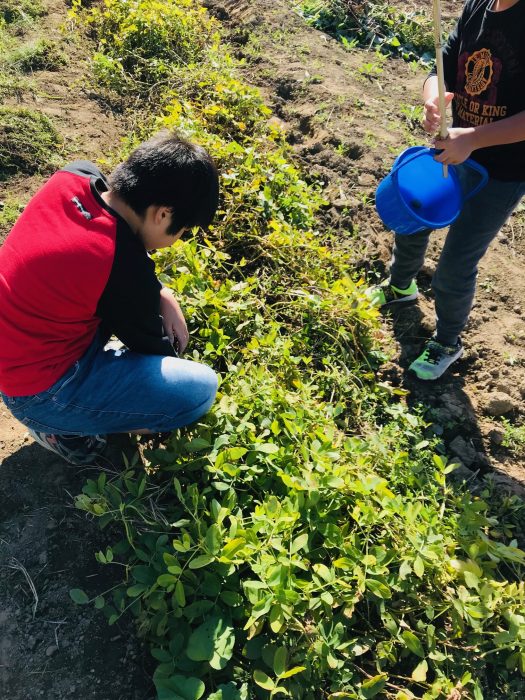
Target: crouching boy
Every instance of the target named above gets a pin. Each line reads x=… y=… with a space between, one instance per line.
x=75 y=270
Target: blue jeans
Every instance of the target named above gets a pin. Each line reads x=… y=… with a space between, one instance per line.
x=454 y=282
x=113 y=391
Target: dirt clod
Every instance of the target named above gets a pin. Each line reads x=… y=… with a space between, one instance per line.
x=499 y=404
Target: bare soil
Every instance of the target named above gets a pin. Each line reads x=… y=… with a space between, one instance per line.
x=345 y=127
x=49 y=647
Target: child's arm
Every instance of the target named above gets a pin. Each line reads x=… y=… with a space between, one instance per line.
x=173 y=319
x=432 y=117
x=461 y=142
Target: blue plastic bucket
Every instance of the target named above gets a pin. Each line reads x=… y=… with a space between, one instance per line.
x=416 y=196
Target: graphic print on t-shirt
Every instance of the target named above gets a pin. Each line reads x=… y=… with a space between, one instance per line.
x=476 y=100
x=479 y=69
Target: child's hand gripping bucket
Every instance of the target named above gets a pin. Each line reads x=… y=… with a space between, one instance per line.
x=416 y=196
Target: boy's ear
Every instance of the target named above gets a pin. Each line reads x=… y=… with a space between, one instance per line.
x=162 y=214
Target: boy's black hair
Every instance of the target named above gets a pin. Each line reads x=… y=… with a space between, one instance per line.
x=170 y=171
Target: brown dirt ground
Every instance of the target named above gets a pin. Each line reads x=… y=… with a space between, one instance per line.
x=49 y=647
x=346 y=129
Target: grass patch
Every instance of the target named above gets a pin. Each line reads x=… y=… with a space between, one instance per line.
x=303 y=539
x=13 y=85
x=21 y=11
x=42 y=54
x=514 y=438
x=10 y=210
x=28 y=142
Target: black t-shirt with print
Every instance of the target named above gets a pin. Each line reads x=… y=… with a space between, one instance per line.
x=484 y=65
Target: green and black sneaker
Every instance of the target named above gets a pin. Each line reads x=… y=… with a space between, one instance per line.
x=435 y=359
x=385 y=294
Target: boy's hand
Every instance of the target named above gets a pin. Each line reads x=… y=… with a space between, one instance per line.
x=457 y=147
x=173 y=319
x=431 y=116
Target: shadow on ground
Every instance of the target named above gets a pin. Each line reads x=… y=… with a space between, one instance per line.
x=49 y=647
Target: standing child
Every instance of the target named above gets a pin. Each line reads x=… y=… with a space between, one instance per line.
x=74 y=270
x=484 y=64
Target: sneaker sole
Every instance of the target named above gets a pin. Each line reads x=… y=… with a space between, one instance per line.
x=401 y=300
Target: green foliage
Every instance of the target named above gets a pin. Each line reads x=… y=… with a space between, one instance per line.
x=42 y=54
x=141 y=42
x=10 y=210
x=302 y=540
x=373 y=25
x=13 y=85
x=28 y=142
x=514 y=437
x=19 y=11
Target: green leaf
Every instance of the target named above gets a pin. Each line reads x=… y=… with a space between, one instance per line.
x=419 y=567
x=232 y=598
x=276 y=618
x=373 y=686
x=213 y=539
x=232 y=547
x=378 y=588
x=263 y=680
x=201 y=561
x=213 y=641
x=78 y=596
x=268 y=448
x=227 y=692
x=180 y=596
x=99 y=602
x=196 y=445
x=299 y=543
x=166 y=580
x=279 y=661
x=176 y=686
x=136 y=590
x=413 y=643
x=162 y=655
x=471 y=579
x=292 y=672
x=144 y=574
x=419 y=674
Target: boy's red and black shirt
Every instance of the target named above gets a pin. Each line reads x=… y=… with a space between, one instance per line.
x=70 y=264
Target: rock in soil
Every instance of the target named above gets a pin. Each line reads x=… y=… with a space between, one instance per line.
x=499 y=404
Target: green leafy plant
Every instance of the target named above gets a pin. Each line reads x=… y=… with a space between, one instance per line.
x=18 y=11
x=375 y=25
x=514 y=437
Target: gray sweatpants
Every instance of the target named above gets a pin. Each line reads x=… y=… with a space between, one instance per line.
x=454 y=282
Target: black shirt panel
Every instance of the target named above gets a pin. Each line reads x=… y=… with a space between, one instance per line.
x=129 y=306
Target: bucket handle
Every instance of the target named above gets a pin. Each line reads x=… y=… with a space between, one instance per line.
x=484 y=177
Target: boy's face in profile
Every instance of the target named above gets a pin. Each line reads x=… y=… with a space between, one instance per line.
x=154 y=229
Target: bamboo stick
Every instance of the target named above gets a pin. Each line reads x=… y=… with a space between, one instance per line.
x=440 y=74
